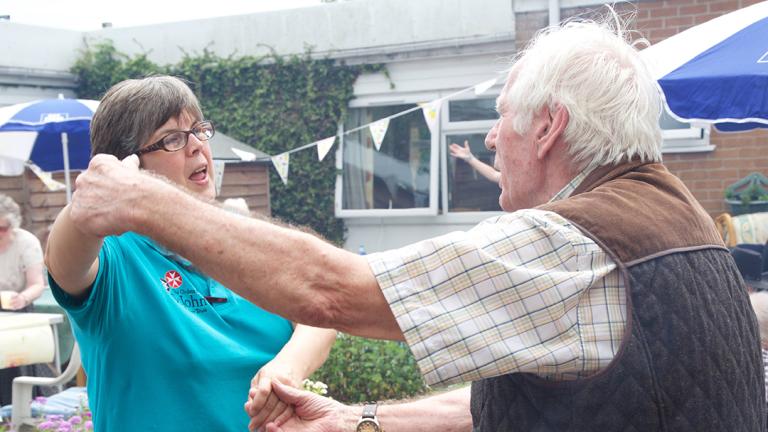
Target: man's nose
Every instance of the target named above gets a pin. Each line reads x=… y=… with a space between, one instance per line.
x=490 y=138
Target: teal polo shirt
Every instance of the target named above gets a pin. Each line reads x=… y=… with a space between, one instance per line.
x=160 y=356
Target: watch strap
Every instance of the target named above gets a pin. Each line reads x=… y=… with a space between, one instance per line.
x=369 y=410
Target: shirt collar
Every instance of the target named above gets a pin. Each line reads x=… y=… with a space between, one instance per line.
x=572 y=185
x=166 y=252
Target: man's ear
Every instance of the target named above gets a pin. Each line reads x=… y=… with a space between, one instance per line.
x=550 y=131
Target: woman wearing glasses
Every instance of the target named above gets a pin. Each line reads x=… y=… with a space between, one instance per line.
x=21 y=271
x=164 y=346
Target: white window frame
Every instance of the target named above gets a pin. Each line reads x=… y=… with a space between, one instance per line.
x=461 y=127
x=434 y=165
x=694 y=139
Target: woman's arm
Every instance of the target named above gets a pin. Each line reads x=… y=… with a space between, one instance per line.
x=484 y=169
x=71 y=256
x=33 y=289
x=35 y=284
x=303 y=354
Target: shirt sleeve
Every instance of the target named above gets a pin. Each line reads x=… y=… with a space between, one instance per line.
x=500 y=298
x=94 y=312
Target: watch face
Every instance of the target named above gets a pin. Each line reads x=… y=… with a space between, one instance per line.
x=367 y=426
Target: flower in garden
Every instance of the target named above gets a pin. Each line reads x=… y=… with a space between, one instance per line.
x=46 y=425
x=317 y=387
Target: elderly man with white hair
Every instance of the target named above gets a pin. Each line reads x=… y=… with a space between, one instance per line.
x=603 y=300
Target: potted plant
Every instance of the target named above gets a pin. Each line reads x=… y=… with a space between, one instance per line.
x=748 y=195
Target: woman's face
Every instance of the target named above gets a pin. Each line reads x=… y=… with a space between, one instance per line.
x=190 y=167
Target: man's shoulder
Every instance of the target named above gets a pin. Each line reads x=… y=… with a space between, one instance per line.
x=533 y=218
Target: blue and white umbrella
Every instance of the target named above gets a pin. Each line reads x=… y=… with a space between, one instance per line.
x=53 y=134
x=717 y=72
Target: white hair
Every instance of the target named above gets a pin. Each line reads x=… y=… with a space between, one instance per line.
x=759 y=302
x=589 y=69
x=10 y=210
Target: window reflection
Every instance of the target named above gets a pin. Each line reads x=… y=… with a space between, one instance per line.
x=398 y=175
x=467 y=189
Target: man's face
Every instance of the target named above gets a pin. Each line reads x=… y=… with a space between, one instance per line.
x=515 y=159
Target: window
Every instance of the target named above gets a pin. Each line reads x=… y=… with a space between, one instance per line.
x=680 y=137
x=466 y=190
x=396 y=179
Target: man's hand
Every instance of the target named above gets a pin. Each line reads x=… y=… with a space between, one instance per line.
x=106 y=194
x=312 y=413
x=263 y=406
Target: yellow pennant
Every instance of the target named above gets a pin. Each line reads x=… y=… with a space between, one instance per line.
x=378 y=130
x=281 y=165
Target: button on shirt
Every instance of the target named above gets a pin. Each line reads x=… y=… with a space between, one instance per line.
x=522 y=292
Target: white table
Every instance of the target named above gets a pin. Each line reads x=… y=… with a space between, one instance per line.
x=13 y=320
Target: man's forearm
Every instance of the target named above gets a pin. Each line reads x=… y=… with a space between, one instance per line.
x=288 y=272
x=445 y=412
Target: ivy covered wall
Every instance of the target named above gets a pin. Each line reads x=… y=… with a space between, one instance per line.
x=271 y=103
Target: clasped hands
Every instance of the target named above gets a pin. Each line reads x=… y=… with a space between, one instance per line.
x=276 y=404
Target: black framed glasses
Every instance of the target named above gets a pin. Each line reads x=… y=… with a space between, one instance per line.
x=177 y=140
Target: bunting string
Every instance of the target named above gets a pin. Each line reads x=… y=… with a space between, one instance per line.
x=377 y=128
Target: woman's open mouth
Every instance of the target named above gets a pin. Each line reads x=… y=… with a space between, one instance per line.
x=200 y=176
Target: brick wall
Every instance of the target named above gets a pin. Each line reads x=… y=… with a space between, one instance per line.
x=707 y=174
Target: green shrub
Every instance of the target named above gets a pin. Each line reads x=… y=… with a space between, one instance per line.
x=359 y=370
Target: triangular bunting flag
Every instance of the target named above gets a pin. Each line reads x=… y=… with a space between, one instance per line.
x=46 y=178
x=378 y=130
x=484 y=86
x=431 y=112
x=281 y=165
x=323 y=146
x=244 y=155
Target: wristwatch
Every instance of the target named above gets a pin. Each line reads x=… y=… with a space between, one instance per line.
x=368 y=421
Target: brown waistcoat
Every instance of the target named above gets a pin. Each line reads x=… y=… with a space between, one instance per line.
x=690 y=356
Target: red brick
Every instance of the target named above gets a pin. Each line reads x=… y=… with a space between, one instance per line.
x=678 y=21
x=751 y=152
x=708 y=184
x=651 y=23
x=663 y=12
x=656 y=36
x=724 y=6
x=699 y=19
x=694 y=9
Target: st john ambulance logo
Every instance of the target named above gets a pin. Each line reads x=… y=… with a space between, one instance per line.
x=172 y=279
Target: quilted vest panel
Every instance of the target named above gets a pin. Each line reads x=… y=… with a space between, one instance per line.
x=691 y=363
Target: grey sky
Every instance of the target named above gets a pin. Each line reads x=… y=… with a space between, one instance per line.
x=89 y=14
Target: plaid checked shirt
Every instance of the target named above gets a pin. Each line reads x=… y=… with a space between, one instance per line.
x=522 y=292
